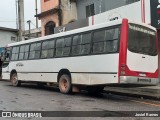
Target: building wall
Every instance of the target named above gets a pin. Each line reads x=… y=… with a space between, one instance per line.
x=46 y=19
x=34 y=33
x=49 y=4
x=132 y=12
x=69 y=11
x=112 y=4
x=100 y=6
x=5 y=37
x=81 y=7
x=45 y=6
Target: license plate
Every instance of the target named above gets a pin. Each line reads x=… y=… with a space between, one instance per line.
x=144 y=80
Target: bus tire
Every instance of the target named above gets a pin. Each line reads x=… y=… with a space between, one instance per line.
x=14 y=80
x=93 y=90
x=65 y=85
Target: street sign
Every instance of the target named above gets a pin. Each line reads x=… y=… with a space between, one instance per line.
x=155 y=13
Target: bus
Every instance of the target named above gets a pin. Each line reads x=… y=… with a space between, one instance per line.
x=1 y=54
x=116 y=52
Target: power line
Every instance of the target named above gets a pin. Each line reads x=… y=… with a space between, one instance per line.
x=12 y=21
x=7 y=21
x=34 y=25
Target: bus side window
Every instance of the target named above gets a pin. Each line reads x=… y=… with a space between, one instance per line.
x=98 y=41
x=76 y=45
x=26 y=52
x=111 y=44
x=32 y=51
x=67 y=46
x=44 y=52
x=48 y=48
x=21 y=53
x=15 y=52
x=86 y=43
x=35 y=50
x=59 y=47
x=51 y=48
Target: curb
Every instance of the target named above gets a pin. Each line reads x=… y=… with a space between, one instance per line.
x=139 y=91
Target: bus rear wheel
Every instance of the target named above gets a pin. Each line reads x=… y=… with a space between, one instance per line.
x=14 y=80
x=65 y=85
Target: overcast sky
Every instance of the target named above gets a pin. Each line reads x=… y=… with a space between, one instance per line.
x=8 y=13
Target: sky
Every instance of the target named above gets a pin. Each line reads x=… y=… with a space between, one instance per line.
x=8 y=13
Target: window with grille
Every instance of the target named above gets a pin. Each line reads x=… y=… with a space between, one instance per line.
x=90 y=10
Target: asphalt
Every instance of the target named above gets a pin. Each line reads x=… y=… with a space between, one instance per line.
x=132 y=90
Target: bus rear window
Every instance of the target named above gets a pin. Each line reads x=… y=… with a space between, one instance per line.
x=142 y=40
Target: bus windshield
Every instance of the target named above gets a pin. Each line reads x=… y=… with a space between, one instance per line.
x=142 y=40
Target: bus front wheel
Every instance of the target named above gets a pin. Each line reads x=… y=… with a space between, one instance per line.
x=65 y=85
x=14 y=80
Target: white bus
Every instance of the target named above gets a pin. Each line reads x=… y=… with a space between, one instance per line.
x=118 y=52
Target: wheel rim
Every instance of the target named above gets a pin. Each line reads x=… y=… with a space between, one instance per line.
x=14 y=78
x=63 y=84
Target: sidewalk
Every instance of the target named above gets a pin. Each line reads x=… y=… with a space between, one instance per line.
x=147 y=91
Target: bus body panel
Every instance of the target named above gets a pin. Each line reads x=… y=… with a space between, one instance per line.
x=142 y=63
x=101 y=69
x=5 y=75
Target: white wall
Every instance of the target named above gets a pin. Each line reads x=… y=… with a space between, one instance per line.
x=132 y=11
x=5 y=37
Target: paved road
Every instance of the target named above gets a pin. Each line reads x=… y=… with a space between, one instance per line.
x=32 y=98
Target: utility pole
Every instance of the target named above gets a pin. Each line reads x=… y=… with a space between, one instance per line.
x=21 y=18
x=29 y=23
x=36 y=17
x=100 y=6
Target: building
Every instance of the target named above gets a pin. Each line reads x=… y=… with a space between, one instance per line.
x=8 y=35
x=99 y=11
x=32 y=33
x=139 y=11
x=55 y=13
x=87 y=8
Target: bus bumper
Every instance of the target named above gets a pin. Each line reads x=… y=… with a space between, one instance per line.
x=139 y=80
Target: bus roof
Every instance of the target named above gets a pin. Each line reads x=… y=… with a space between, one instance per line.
x=84 y=29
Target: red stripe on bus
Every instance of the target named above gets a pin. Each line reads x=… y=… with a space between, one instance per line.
x=137 y=73
x=92 y=20
x=123 y=46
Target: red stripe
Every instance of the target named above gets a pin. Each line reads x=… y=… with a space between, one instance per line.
x=123 y=46
x=92 y=20
x=144 y=11
x=143 y=16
